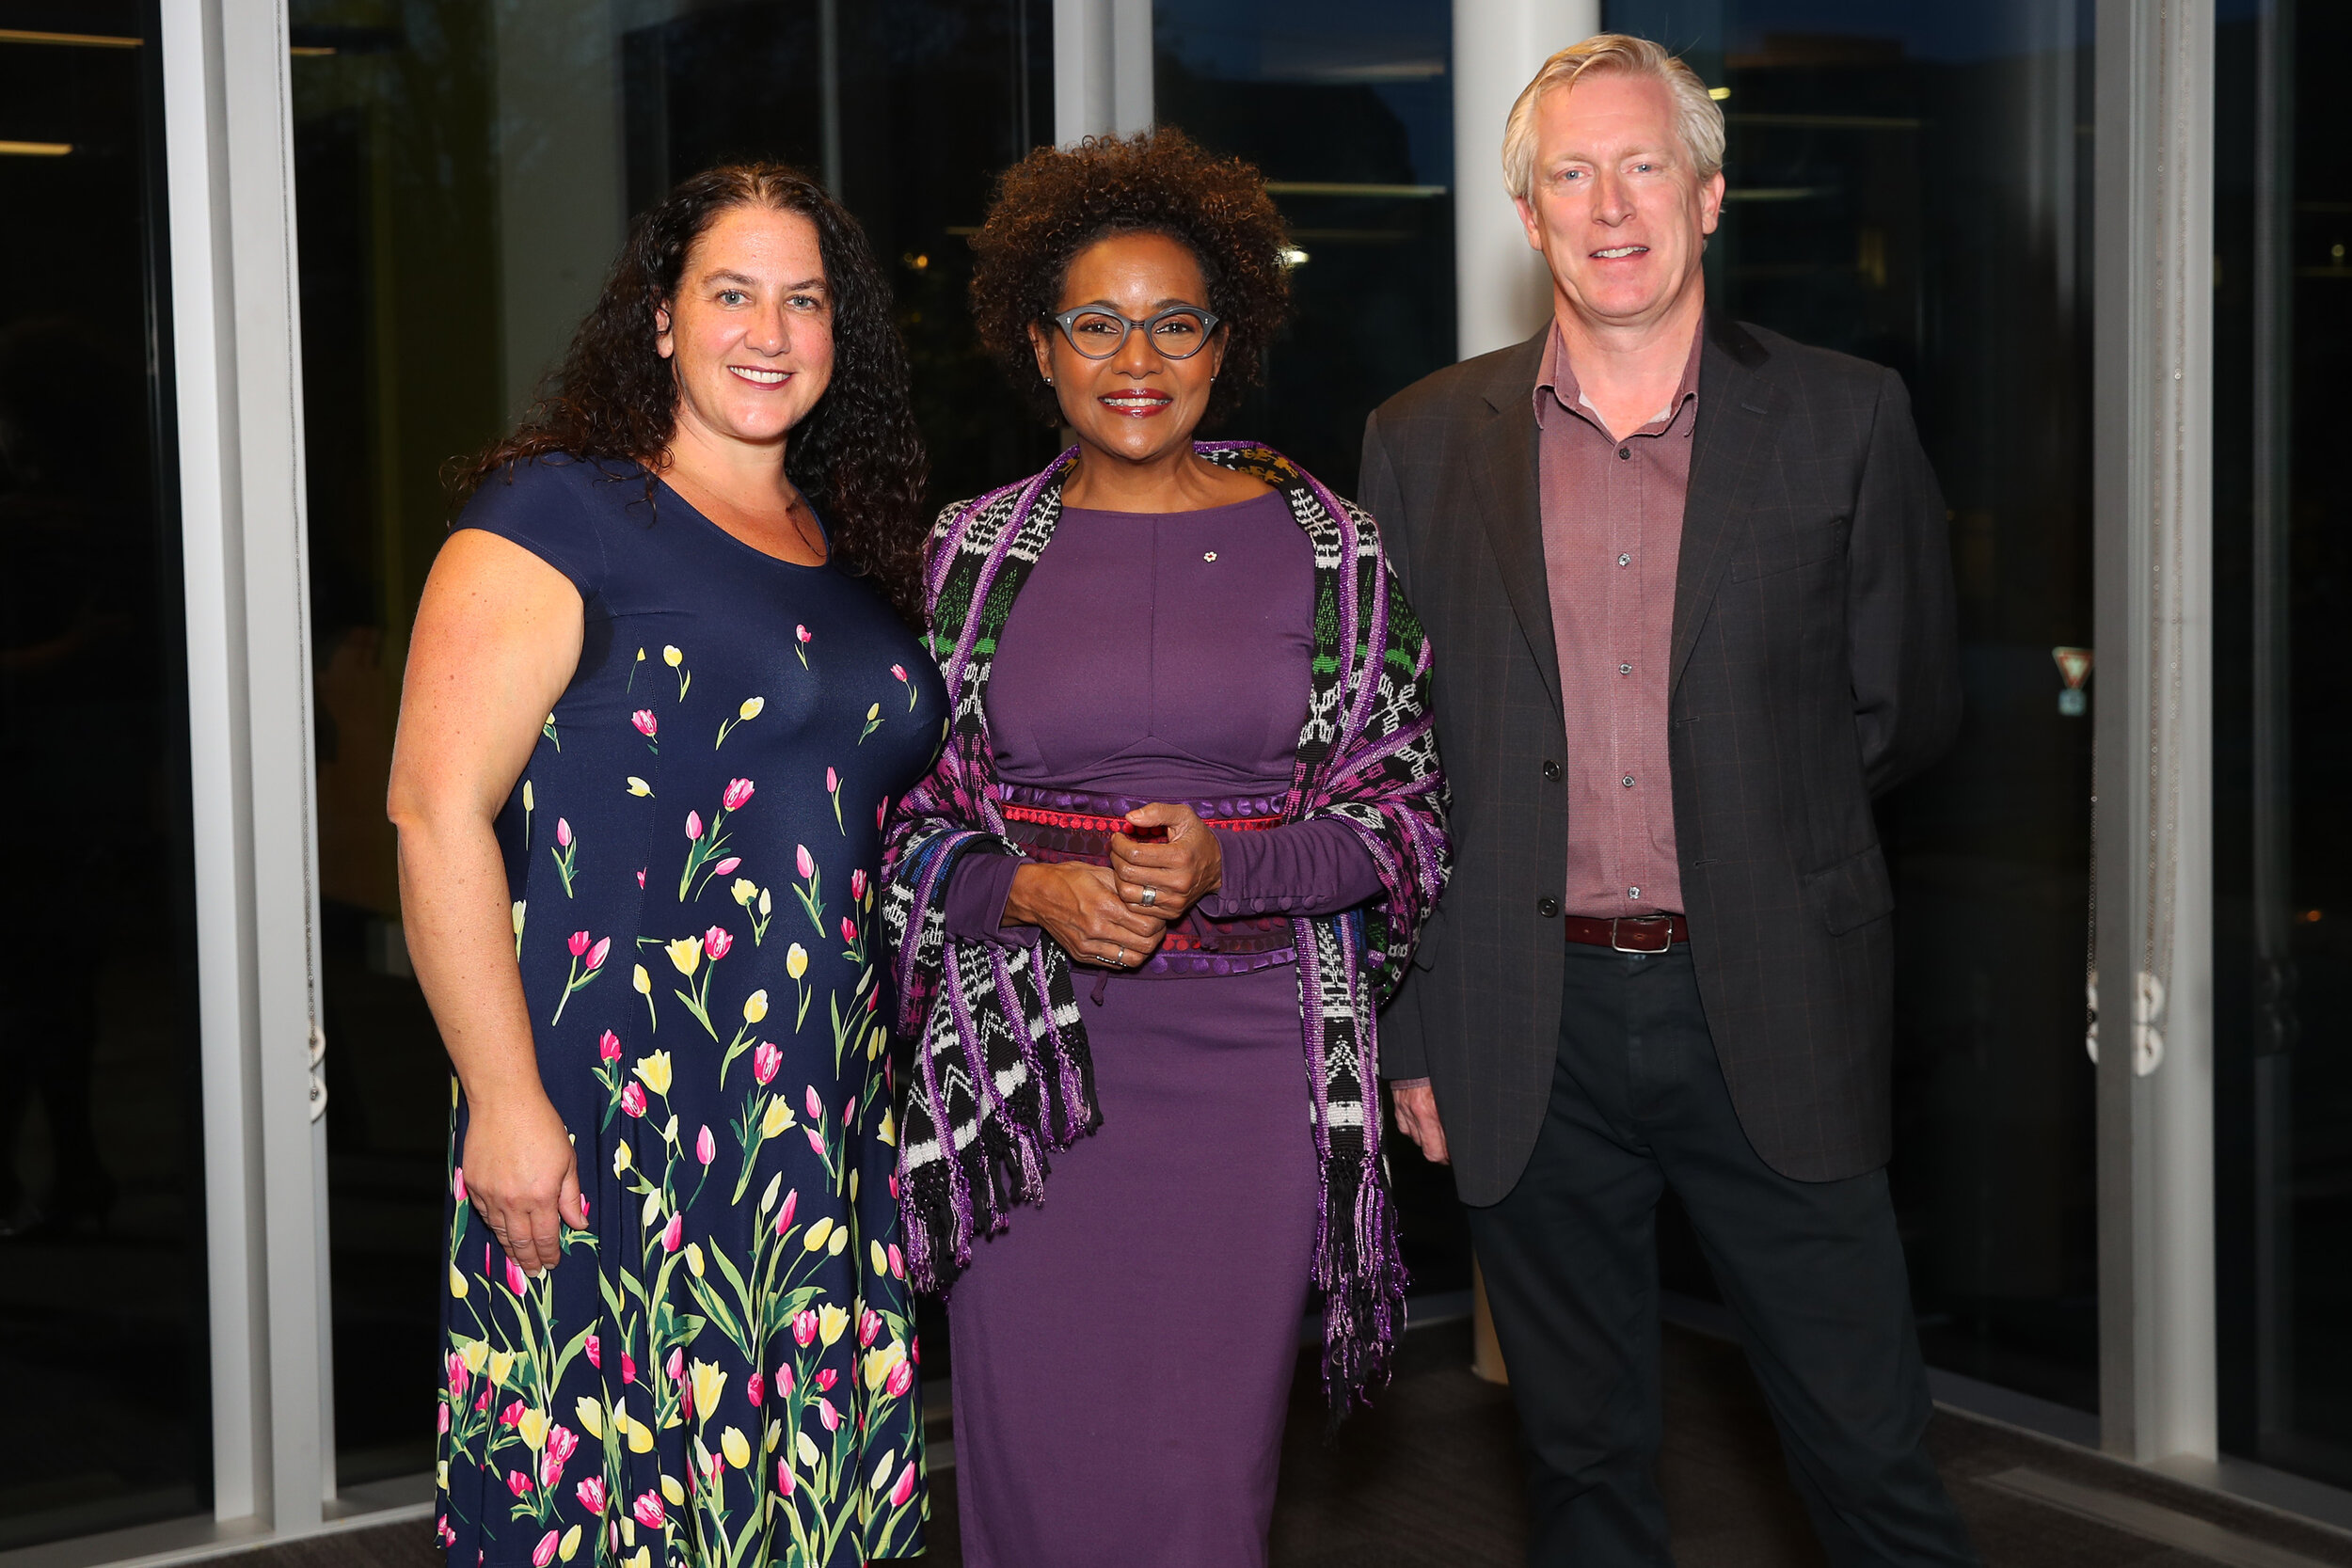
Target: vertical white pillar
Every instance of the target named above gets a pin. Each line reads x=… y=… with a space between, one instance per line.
x=237 y=339
x=1102 y=68
x=1502 y=291
x=2151 y=502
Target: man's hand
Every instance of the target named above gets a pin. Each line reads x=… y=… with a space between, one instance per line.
x=1417 y=1118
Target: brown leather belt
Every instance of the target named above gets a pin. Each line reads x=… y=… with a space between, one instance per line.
x=1647 y=933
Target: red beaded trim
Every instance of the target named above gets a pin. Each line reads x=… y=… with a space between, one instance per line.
x=1080 y=822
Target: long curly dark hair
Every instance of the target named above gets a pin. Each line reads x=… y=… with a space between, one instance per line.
x=857 y=456
x=1053 y=204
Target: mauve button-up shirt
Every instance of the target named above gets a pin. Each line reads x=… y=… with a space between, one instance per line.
x=1612 y=537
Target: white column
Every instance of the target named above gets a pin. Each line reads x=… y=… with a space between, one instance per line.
x=1502 y=291
x=2152 y=503
x=1102 y=68
x=237 y=347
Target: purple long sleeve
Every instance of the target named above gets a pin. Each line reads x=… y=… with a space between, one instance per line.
x=1298 y=868
x=974 y=906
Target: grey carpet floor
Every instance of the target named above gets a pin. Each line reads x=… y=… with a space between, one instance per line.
x=1432 y=1478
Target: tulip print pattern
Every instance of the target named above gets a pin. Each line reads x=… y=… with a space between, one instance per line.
x=723 y=1371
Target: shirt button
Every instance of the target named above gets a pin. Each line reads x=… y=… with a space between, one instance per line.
x=1209 y=556
x=1548 y=906
x=1552 y=769
x=1625 y=560
x=1628 y=780
x=1633 y=893
x=1625 y=451
x=1625 y=669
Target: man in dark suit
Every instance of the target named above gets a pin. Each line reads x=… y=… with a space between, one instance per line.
x=1689 y=596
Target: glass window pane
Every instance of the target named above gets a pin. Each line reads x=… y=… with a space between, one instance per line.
x=464 y=174
x=1348 y=109
x=1908 y=181
x=102 y=1284
x=2282 y=874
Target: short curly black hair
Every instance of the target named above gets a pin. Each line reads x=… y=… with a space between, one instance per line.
x=1053 y=204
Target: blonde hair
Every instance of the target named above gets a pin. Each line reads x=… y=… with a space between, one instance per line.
x=1698 y=119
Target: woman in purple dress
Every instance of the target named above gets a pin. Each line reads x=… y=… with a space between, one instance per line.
x=1188 y=824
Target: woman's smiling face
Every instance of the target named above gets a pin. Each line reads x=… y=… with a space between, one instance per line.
x=750 y=330
x=1139 y=402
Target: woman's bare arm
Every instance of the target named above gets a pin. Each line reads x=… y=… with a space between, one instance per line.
x=496 y=638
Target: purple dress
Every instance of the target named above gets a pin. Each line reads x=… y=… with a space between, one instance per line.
x=1123 y=1355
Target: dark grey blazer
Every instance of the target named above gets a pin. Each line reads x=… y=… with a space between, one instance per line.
x=1815 y=665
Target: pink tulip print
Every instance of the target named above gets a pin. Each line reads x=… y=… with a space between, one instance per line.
x=593 y=1347
x=518 y=1484
x=716 y=944
x=706 y=852
x=591 y=1493
x=517 y=1280
x=544 y=1553
x=512 y=1416
x=727 y=865
x=816 y=1106
x=766 y=1059
x=899 y=670
x=705 y=1146
x=826 y=1377
x=827 y=1415
x=737 y=791
x=869 y=1326
x=648 y=727
x=693 y=824
x=646 y=1510
x=567 y=853
x=784 y=1479
x=674 y=1233
x=755 y=1390
x=633 y=1098
x=833 y=788
x=903 y=1492
x=810 y=893
x=802 y=638
x=609 y=1047
x=783 y=1380
x=629 y=1369
x=804 y=1328
x=783 y=1215
x=901 y=1378
x=587 y=963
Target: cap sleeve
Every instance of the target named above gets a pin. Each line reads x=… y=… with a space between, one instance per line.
x=540 y=505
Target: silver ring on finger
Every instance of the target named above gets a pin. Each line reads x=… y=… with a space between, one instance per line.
x=1123 y=958
x=1151 y=897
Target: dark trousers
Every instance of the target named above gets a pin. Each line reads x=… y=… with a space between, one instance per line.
x=1813 y=1270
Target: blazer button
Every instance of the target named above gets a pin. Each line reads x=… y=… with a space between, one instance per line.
x=1552 y=769
x=1548 y=906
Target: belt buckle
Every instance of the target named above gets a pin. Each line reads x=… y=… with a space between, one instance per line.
x=1666 y=930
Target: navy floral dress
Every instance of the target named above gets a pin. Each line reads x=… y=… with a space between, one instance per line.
x=723 y=1370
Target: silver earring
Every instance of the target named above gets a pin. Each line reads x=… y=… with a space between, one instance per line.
x=1049 y=381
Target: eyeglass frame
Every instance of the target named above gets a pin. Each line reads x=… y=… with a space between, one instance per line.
x=1209 y=320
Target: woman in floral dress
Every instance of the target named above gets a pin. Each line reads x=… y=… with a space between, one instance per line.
x=656 y=712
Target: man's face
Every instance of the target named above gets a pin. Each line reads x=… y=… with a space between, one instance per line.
x=1618 y=212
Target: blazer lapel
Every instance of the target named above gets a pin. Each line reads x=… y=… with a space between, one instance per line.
x=1736 y=418
x=1504 y=481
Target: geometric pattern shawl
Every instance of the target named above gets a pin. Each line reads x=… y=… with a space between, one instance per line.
x=1001 y=1077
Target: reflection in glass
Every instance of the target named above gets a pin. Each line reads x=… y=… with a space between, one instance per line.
x=2282 y=596
x=102 y=1343
x=463 y=175
x=1909 y=182
x=1346 y=107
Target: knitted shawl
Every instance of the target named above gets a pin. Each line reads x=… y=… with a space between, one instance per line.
x=1002 y=1076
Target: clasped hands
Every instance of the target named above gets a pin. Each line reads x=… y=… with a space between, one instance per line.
x=1099 y=913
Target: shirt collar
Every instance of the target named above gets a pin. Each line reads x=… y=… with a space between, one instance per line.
x=1555 y=386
